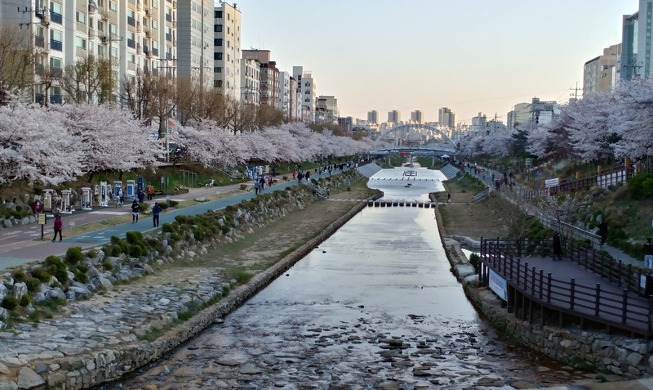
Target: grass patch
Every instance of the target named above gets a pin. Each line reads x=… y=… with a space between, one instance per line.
x=151 y=335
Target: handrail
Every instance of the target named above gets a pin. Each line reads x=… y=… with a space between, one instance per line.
x=616 y=305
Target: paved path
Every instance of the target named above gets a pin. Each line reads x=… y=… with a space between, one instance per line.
x=23 y=244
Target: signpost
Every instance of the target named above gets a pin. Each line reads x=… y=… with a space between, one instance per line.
x=42 y=222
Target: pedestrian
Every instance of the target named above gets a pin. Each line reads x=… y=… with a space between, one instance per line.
x=557 y=248
x=141 y=196
x=150 y=191
x=603 y=231
x=58 y=227
x=120 y=197
x=648 y=253
x=136 y=208
x=257 y=188
x=156 y=210
x=37 y=207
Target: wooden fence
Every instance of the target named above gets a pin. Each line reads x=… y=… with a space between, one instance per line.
x=620 y=303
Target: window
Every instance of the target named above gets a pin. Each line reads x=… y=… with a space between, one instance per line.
x=155 y=3
x=155 y=24
x=114 y=52
x=218 y=14
x=55 y=63
x=217 y=69
x=217 y=42
x=113 y=6
x=55 y=8
x=228 y=30
x=81 y=17
x=55 y=35
x=217 y=28
x=217 y=56
x=80 y=42
x=113 y=29
x=100 y=26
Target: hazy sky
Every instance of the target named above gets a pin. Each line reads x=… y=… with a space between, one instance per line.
x=469 y=55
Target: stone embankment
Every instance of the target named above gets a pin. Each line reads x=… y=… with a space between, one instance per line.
x=116 y=331
x=593 y=350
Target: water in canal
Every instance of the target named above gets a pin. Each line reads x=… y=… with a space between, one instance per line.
x=375 y=306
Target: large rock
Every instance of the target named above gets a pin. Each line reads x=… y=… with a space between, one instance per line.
x=55 y=292
x=28 y=379
x=19 y=290
x=6 y=223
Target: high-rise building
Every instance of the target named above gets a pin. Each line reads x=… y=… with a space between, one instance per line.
x=637 y=44
x=225 y=49
x=600 y=73
x=416 y=116
x=283 y=94
x=394 y=116
x=306 y=90
x=446 y=118
x=372 y=117
x=194 y=42
x=134 y=37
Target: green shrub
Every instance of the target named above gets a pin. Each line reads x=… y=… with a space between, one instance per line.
x=185 y=315
x=163 y=205
x=240 y=274
x=144 y=207
x=134 y=237
x=168 y=227
x=640 y=186
x=74 y=255
x=32 y=284
x=57 y=268
x=92 y=253
x=115 y=240
x=137 y=250
x=173 y=203
x=106 y=264
x=10 y=302
x=19 y=276
x=41 y=274
x=474 y=259
x=80 y=276
x=116 y=250
x=25 y=300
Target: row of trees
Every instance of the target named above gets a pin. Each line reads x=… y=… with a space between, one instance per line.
x=601 y=126
x=52 y=145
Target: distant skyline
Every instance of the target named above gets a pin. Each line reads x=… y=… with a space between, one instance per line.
x=468 y=55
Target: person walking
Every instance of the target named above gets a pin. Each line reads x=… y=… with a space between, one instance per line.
x=120 y=197
x=603 y=231
x=136 y=208
x=150 y=191
x=156 y=210
x=648 y=253
x=58 y=227
x=557 y=248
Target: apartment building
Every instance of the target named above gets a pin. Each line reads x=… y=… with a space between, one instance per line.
x=194 y=57
x=326 y=109
x=394 y=116
x=446 y=118
x=600 y=73
x=250 y=80
x=134 y=36
x=306 y=90
x=372 y=117
x=416 y=116
x=226 y=50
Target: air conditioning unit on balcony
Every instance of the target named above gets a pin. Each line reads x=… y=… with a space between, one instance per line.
x=147 y=32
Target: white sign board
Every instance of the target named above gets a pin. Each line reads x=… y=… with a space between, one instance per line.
x=551 y=182
x=498 y=285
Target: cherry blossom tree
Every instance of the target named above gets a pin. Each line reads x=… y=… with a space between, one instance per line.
x=632 y=119
x=589 y=127
x=109 y=138
x=36 y=146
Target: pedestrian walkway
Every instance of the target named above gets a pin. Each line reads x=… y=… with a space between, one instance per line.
x=23 y=244
x=516 y=195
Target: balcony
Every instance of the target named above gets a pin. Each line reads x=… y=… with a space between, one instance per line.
x=56 y=45
x=131 y=21
x=56 y=72
x=55 y=17
x=169 y=37
x=155 y=52
x=168 y=18
x=131 y=43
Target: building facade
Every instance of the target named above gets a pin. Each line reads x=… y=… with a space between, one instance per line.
x=326 y=109
x=394 y=116
x=372 y=117
x=636 y=43
x=446 y=118
x=134 y=36
x=306 y=90
x=250 y=80
x=416 y=116
x=600 y=73
x=194 y=42
x=283 y=94
x=225 y=48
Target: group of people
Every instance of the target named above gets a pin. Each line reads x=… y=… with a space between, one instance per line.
x=120 y=198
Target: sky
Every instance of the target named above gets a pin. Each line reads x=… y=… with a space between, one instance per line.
x=468 y=55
